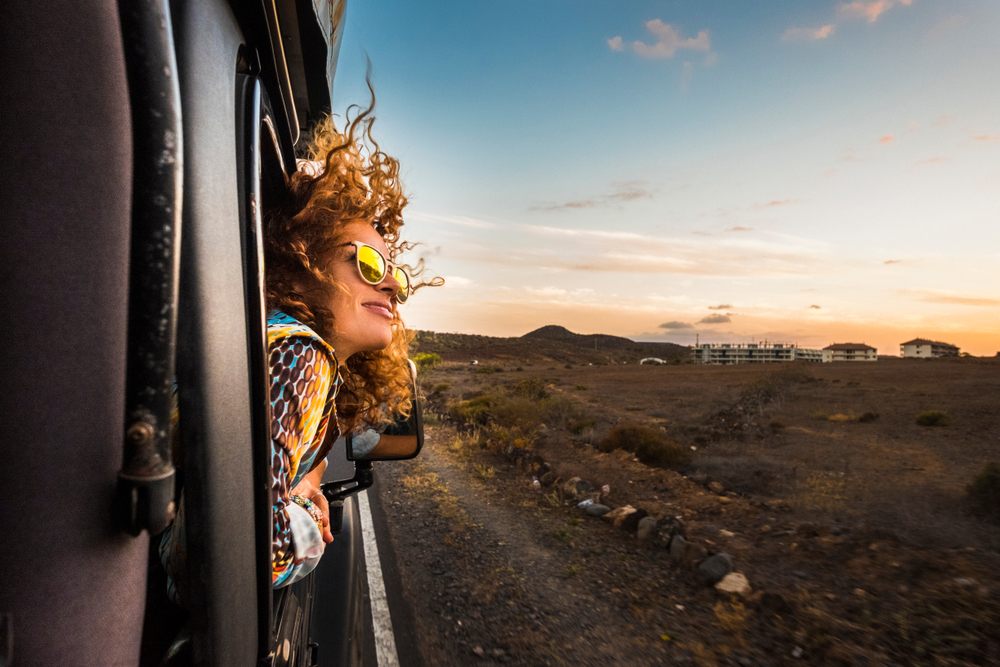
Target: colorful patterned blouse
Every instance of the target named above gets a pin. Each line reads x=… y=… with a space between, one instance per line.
x=304 y=382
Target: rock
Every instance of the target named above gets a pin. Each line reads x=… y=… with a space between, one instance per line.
x=716 y=487
x=618 y=515
x=605 y=490
x=645 y=529
x=597 y=509
x=575 y=487
x=714 y=568
x=698 y=477
x=631 y=522
x=686 y=554
x=677 y=548
x=725 y=500
x=479 y=651
x=734 y=583
x=666 y=528
x=548 y=478
x=585 y=503
x=569 y=487
x=807 y=529
x=773 y=603
x=797 y=652
x=726 y=533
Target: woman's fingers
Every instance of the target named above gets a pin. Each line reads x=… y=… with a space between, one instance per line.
x=320 y=500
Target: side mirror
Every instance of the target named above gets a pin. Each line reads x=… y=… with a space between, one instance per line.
x=400 y=440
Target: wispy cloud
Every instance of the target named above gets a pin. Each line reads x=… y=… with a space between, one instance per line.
x=766 y=254
x=934 y=159
x=722 y=306
x=798 y=34
x=986 y=138
x=886 y=139
x=815 y=306
x=459 y=220
x=869 y=10
x=775 y=203
x=667 y=41
x=739 y=228
x=955 y=299
x=893 y=261
x=715 y=319
x=674 y=325
x=627 y=191
x=866 y=10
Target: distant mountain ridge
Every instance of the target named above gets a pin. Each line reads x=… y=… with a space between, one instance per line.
x=551 y=342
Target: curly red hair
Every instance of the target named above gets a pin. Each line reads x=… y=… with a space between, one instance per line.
x=353 y=180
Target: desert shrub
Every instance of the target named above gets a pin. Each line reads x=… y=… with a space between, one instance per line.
x=472 y=411
x=983 y=493
x=440 y=388
x=486 y=370
x=868 y=417
x=650 y=446
x=426 y=360
x=532 y=388
x=932 y=418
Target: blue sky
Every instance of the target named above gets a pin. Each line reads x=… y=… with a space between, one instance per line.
x=830 y=171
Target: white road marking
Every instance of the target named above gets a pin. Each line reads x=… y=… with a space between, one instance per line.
x=385 y=640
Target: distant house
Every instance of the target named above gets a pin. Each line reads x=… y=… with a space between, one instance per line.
x=752 y=353
x=850 y=352
x=921 y=348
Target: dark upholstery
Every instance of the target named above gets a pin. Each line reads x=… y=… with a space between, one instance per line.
x=74 y=584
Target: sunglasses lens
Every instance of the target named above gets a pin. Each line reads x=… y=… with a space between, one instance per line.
x=404 y=284
x=371 y=265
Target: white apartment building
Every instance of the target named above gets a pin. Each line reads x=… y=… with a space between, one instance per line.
x=850 y=352
x=752 y=353
x=921 y=348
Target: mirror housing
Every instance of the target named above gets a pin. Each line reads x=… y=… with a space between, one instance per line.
x=403 y=439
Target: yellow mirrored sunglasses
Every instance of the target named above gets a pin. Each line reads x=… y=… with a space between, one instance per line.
x=373 y=268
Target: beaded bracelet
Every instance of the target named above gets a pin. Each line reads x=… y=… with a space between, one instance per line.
x=314 y=511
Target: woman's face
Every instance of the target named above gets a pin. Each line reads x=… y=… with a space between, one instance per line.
x=363 y=314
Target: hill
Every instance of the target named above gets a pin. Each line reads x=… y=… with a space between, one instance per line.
x=549 y=343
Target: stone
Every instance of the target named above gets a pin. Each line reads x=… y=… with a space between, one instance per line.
x=618 y=515
x=716 y=487
x=597 y=509
x=548 y=478
x=714 y=568
x=698 y=477
x=734 y=583
x=677 y=548
x=646 y=528
x=575 y=488
x=479 y=651
x=694 y=553
x=631 y=522
x=726 y=533
x=569 y=487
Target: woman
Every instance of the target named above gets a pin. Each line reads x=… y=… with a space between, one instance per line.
x=337 y=346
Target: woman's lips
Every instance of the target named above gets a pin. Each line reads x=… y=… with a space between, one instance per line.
x=379 y=308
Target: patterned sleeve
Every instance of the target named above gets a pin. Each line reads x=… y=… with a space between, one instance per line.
x=301 y=374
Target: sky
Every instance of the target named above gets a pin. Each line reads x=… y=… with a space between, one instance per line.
x=802 y=172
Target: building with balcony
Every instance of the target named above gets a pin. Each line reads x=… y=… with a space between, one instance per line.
x=725 y=354
x=921 y=348
x=850 y=352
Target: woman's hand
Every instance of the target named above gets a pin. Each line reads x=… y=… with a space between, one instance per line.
x=309 y=488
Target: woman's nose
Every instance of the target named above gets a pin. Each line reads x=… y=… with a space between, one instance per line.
x=389 y=284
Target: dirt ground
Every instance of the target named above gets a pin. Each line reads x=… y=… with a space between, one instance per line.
x=847 y=517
